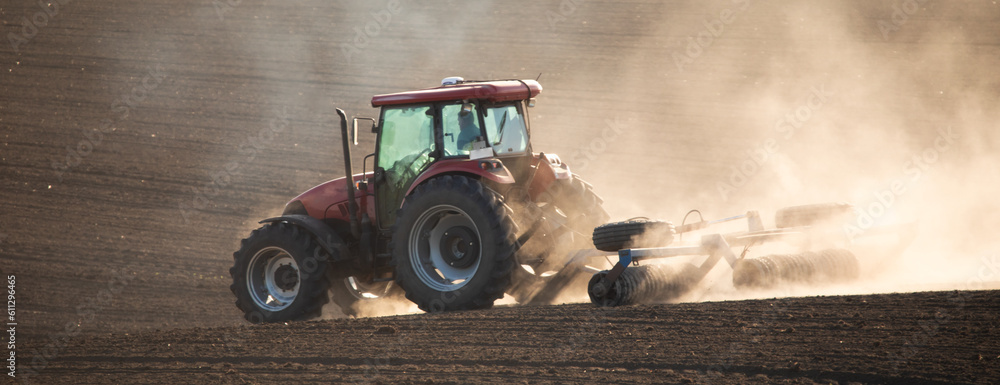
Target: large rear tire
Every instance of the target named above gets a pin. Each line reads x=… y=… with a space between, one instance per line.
x=279 y=274
x=582 y=206
x=453 y=245
x=543 y=279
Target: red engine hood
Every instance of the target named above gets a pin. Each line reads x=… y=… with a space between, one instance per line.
x=329 y=200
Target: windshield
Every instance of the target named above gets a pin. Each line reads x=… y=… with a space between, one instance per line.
x=505 y=129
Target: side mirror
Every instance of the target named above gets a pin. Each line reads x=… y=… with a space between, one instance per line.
x=355 y=128
x=531 y=102
x=354 y=133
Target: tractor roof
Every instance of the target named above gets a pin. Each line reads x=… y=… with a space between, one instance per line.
x=494 y=91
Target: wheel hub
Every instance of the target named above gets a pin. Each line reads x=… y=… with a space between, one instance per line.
x=459 y=247
x=286 y=277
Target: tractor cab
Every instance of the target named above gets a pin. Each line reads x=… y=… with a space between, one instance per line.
x=452 y=126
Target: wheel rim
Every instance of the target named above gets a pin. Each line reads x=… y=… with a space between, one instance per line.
x=445 y=248
x=273 y=279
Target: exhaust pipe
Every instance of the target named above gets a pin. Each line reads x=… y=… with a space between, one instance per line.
x=352 y=204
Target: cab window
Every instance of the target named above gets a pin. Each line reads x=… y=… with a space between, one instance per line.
x=505 y=129
x=406 y=142
x=459 y=129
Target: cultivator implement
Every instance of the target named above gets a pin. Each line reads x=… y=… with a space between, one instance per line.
x=630 y=282
x=831 y=265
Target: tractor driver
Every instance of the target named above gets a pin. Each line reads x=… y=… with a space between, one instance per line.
x=468 y=131
x=462 y=130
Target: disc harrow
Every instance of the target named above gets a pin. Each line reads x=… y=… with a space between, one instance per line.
x=832 y=265
x=644 y=284
x=629 y=283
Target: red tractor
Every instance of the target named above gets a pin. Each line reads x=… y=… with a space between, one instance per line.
x=457 y=211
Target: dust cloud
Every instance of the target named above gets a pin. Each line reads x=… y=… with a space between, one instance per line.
x=790 y=104
x=724 y=106
x=375 y=308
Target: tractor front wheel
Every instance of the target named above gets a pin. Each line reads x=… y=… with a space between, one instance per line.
x=279 y=275
x=453 y=245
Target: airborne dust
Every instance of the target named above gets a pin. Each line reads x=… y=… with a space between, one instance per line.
x=737 y=105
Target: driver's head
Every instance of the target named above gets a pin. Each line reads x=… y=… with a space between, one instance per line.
x=466 y=119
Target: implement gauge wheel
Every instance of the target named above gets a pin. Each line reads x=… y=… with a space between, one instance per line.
x=633 y=233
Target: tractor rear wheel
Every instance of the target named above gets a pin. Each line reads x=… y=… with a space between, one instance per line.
x=580 y=209
x=453 y=245
x=279 y=275
x=582 y=206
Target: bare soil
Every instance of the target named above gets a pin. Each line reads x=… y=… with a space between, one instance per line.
x=916 y=338
x=141 y=140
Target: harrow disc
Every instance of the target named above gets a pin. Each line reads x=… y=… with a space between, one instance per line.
x=647 y=283
x=833 y=265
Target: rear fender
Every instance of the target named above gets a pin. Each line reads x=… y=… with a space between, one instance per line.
x=327 y=238
x=489 y=169
x=548 y=169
